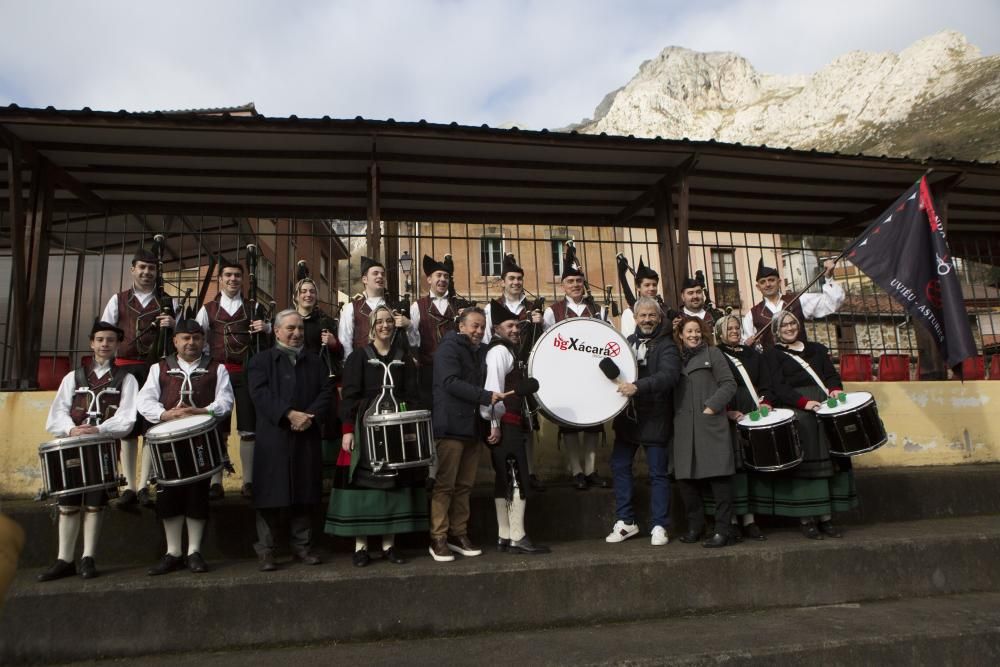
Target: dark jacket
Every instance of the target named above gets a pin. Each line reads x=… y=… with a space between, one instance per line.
x=649 y=418
x=287 y=465
x=759 y=371
x=459 y=376
x=787 y=375
x=702 y=445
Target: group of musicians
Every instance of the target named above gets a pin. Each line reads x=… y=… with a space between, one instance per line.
x=304 y=397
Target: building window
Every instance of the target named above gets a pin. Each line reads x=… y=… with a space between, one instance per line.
x=558 y=251
x=725 y=288
x=323 y=264
x=491 y=255
x=265 y=276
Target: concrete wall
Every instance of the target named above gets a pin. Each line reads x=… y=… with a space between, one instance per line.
x=929 y=423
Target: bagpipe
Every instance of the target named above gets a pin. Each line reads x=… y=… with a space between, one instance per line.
x=164 y=343
x=457 y=301
x=256 y=311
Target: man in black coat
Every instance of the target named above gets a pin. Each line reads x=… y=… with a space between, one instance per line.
x=459 y=376
x=291 y=394
x=647 y=422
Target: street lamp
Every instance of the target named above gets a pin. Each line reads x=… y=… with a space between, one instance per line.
x=406 y=265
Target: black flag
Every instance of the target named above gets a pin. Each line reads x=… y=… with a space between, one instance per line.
x=904 y=252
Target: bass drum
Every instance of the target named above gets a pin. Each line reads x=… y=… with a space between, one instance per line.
x=853 y=427
x=572 y=388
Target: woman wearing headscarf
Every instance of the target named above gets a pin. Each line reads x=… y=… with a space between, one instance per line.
x=803 y=377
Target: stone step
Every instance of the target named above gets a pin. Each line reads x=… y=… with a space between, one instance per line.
x=943 y=630
x=560 y=514
x=125 y=613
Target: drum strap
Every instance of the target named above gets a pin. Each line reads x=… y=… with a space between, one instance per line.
x=741 y=369
x=809 y=369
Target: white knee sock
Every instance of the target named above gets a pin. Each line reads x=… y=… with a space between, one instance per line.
x=196 y=531
x=129 y=448
x=574 y=457
x=589 y=452
x=360 y=542
x=145 y=468
x=826 y=517
x=69 y=528
x=503 y=520
x=517 y=506
x=92 y=520
x=246 y=459
x=217 y=478
x=388 y=541
x=173 y=529
x=748 y=518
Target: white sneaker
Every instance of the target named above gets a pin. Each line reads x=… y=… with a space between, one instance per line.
x=622 y=531
x=659 y=537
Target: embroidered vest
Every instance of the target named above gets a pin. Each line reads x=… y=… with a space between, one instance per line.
x=107 y=404
x=762 y=319
x=229 y=342
x=203 y=381
x=433 y=326
x=133 y=318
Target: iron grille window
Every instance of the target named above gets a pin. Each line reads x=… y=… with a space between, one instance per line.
x=491 y=255
x=725 y=287
x=558 y=248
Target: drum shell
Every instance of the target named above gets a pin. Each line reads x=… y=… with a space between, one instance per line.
x=79 y=464
x=856 y=431
x=186 y=456
x=770 y=448
x=398 y=440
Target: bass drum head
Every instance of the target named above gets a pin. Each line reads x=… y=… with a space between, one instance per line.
x=180 y=427
x=855 y=401
x=571 y=386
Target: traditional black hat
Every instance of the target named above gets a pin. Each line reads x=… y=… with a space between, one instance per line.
x=101 y=325
x=228 y=264
x=510 y=265
x=765 y=271
x=367 y=263
x=499 y=312
x=689 y=283
x=571 y=270
x=143 y=255
x=644 y=272
x=189 y=326
x=431 y=265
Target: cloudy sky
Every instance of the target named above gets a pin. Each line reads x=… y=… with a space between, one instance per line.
x=536 y=64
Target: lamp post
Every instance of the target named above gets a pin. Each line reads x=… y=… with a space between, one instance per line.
x=406 y=265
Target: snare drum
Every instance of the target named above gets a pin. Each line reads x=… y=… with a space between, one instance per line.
x=771 y=443
x=853 y=427
x=78 y=464
x=186 y=450
x=572 y=388
x=399 y=440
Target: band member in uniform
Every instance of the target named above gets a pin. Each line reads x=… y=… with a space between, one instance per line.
x=458 y=391
x=509 y=432
x=806 y=307
x=181 y=385
x=228 y=325
x=581 y=444
x=702 y=448
x=647 y=282
x=803 y=377
x=292 y=393
x=355 y=319
x=692 y=304
x=431 y=317
x=647 y=422
x=134 y=310
x=363 y=503
x=68 y=417
x=753 y=388
x=516 y=301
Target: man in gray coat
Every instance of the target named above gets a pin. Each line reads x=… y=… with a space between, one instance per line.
x=291 y=394
x=647 y=422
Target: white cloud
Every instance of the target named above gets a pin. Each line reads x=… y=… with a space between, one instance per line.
x=536 y=63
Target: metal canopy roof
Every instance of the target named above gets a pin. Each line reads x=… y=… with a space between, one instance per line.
x=177 y=163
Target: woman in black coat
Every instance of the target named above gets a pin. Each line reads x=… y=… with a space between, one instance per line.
x=363 y=503
x=821 y=484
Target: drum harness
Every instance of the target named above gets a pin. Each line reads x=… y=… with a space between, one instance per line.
x=809 y=369
x=741 y=369
x=174 y=369
x=94 y=405
x=386 y=397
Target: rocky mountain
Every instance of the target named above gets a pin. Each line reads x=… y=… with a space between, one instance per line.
x=939 y=97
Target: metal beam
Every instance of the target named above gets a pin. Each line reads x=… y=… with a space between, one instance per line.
x=374 y=213
x=56 y=173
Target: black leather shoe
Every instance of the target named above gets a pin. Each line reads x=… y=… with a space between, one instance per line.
x=524 y=546
x=265 y=562
x=503 y=543
x=145 y=498
x=361 y=558
x=215 y=492
x=580 y=482
x=717 y=540
x=735 y=534
x=127 y=498
x=88 y=569
x=691 y=536
x=809 y=530
x=196 y=563
x=58 y=570
x=308 y=558
x=393 y=556
x=593 y=479
x=537 y=485
x=167 y=564
x=753 y=532
x=830 y=530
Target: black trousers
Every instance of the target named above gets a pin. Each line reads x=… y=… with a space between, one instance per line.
x=722 y=491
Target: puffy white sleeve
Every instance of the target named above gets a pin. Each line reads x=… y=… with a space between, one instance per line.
x=148 y=401
x=825 y=303
x=121 y=422
x=628 y=323
x=548 y=318
x=223 y=403
x=110 y=314
x=499 y=361
x=59 y=422
x=413 y=331
x=345 y=329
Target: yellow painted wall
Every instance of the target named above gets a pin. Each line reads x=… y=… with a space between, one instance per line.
x=929 y=423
